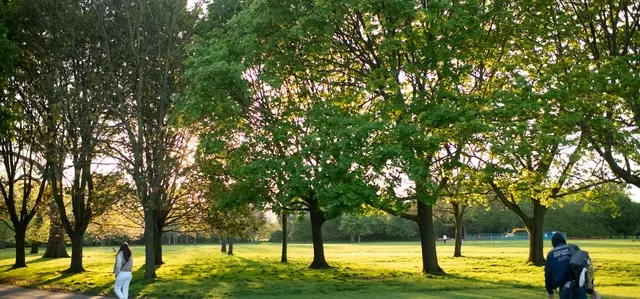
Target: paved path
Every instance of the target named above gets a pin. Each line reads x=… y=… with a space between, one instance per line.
x=22 y=293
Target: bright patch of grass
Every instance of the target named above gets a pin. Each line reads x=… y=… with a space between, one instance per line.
x=370 y=270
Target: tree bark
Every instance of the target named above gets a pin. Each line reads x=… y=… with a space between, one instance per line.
x=20 y=255
x=149 y=225
x=428 y=240
x=56 y=245
x=352 y=238
x=157 y=246
x=359 y=238
x=34 y=247
x=283 y=258
x=458 y=214
x=534 y=225
x=76 y=254
x=535 y=228
x=223 y=241
x=317 y=219
x=230 y=246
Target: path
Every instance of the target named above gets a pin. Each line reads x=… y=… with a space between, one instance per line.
x=22 y=293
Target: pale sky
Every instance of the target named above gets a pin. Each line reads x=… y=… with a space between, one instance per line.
x=635 y=193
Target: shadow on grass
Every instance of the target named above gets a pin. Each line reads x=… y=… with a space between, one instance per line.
x=138 y=283
x=40 y=260
x=238 y=277
x=63 y=275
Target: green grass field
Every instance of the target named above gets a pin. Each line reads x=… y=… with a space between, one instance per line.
x=369 y=270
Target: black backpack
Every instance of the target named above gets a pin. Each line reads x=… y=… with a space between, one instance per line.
x=582 y=270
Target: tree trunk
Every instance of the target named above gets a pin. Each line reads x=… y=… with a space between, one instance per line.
x=317 y=219
x=428 y=240
x=149 y=225
x=223 y=241
x=457 y=252
x=76 y=254
x=352 y=238
x=283 y=259
x=20 y=255
x=358 y=238
x=536 y=235
x=157 y=246
x=458 y=214
x=230 y=246
x=34 y=247
x=56 y=244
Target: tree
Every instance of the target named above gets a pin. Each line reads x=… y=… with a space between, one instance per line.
x=270 y=135
x=361 y=225
x=56 y=243
x=22 y=178
x=147 y=54
x=617 y=211
x=401 y=228
x=8 y=51
x=536 y=150
x=37 y=231
x=227 y=222
x=114 y=221
x=460 y=195
x=61 y=79
x=22 y=163
x=403 y=65
x=605 y=78
x=284 y=219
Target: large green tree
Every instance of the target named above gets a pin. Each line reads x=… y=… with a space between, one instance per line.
x=537 y=151
x=605 y=78
x=271 y=128
x=409 y=65
x=340 y=95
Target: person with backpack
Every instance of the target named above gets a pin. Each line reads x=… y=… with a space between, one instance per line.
x=558 y=270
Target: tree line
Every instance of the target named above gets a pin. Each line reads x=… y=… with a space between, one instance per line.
x=159 y=111
x=578 y=219
x=332 y=107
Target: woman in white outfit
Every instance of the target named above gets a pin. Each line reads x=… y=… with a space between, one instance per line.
x=122 y=270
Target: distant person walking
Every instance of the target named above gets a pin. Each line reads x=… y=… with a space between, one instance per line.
x=444 y=238
x=122 y=269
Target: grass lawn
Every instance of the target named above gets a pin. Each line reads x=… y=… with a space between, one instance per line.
x=369 y=270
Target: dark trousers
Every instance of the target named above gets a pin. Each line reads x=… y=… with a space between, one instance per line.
x=573 y=293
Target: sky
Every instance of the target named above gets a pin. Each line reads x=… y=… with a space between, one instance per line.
x=635 y=193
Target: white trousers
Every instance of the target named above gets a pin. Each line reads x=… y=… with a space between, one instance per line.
x=122 y=285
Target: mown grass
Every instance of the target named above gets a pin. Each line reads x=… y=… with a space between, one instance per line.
x=368 y=270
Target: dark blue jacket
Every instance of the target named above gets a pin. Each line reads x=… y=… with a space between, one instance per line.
x=557 y=270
